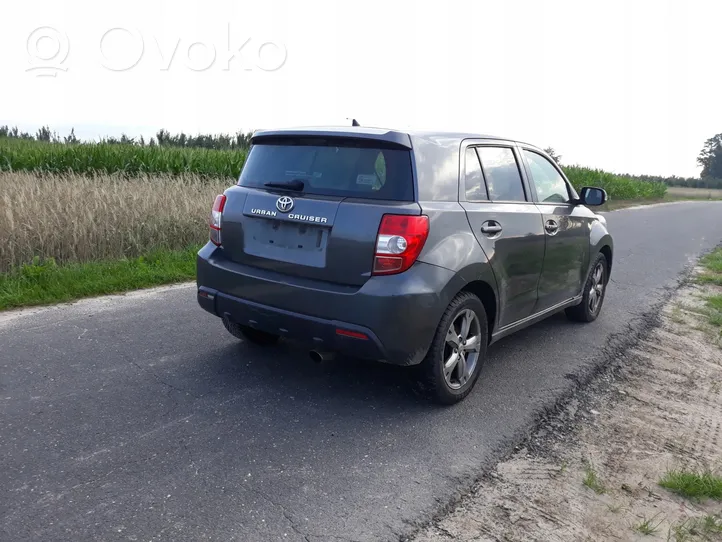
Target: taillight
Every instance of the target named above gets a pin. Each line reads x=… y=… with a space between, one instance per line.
x=215 y=222
x=399 y=243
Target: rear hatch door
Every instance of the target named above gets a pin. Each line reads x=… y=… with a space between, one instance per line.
x=311 y=206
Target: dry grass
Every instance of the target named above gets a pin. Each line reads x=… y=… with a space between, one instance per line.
x=76 y=218
x=697 y=193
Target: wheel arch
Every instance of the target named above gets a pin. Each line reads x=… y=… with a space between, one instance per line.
x=600 y=242
x=479 y=279
x=487 y=296
x=607 y=251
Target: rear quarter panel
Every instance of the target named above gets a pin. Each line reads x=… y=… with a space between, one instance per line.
x=451 y=243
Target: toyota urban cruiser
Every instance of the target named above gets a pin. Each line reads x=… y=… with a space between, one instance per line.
x=416 y=249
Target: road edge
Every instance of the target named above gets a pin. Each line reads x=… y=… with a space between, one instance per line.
x=13 y=314
x=582 y=382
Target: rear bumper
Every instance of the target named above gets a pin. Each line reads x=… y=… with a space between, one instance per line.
x=398 y=314
x=320 y=334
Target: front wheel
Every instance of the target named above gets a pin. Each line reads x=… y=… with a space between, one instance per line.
x=593 y=296
x=457 y=353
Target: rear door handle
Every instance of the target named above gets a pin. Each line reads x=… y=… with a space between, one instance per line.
x=551 y=227
x=491 y=227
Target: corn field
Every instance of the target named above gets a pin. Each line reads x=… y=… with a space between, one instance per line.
x=132 y=160
x=79 y=218
x=77 y=202
x=618 y=187
x=49 y=157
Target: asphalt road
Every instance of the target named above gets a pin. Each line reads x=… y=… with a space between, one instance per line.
x=140 y=418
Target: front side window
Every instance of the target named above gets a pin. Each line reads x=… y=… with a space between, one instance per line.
x=502 y=174
x=549 y=184
x=474 y=179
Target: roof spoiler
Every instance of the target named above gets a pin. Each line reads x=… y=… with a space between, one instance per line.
x=399 y=139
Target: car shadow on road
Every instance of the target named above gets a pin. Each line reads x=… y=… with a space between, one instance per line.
x=285 y=371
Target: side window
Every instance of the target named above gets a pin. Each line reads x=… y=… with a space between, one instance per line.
x=473 y=178
x=502 y=174
x=548 y=183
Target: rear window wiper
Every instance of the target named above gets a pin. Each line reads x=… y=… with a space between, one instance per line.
x=295 y=184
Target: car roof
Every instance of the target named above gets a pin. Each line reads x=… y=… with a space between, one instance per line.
x=400 y=137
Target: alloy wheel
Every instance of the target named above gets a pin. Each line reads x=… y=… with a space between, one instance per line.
x=597 y=288
x=461 y=351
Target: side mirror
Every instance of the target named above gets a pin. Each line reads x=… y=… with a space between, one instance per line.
x=592 y=196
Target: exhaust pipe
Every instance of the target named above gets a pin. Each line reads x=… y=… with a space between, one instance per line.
x=319 y=356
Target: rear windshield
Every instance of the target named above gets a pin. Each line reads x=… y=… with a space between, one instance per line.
x=331 y=167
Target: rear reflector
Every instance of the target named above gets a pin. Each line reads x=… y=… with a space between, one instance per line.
x=353 y=334
x=215 y=221
x=399 y=243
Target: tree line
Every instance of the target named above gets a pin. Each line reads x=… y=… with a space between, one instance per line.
x=710 y=158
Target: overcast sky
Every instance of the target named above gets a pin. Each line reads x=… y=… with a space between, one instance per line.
x=629 y=86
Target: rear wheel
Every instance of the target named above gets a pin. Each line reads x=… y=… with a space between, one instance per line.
x=594 y=290
x=454 y=361
x=249 y=334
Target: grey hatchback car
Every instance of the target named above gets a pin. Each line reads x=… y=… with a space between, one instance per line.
x=416 y=249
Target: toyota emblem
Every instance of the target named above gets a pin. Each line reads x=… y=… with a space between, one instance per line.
x=284 y=204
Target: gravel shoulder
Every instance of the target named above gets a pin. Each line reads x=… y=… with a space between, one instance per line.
x=592 y=472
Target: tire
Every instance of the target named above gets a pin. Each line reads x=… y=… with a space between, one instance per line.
x=453 y=388
x=595 y=289
x=245 y=333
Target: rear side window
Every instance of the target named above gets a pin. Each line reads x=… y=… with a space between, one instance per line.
x=502 y=174
x=473 y=178
x=347 y=168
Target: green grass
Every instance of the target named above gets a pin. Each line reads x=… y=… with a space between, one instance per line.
x=649 y=526
x=712 y=264
x=42 y=283
x=693 y=484
x=24 y=155
x=711 y=278
x=714 y=305
x=592 y=480
x=713 y=261
x=701 y=528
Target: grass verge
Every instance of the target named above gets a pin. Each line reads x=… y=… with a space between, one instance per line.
x=45 y=282
x=614 y=204
x=693 y=484
x=712 y=264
